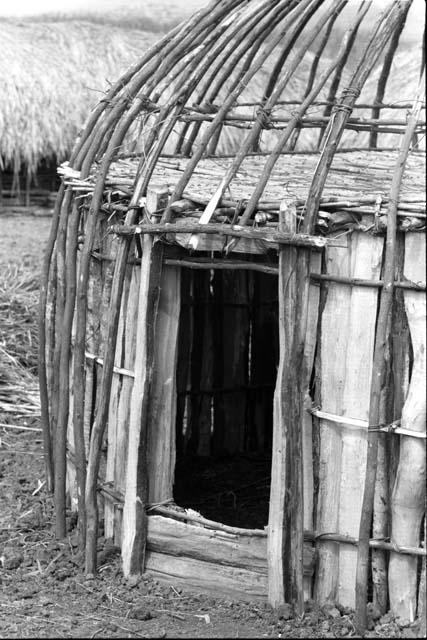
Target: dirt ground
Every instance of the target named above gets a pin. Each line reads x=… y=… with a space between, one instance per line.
x=44 y=592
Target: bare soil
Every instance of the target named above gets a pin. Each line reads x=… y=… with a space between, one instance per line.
x=44 y=592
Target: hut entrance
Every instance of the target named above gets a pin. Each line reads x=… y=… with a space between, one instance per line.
x=228 y=352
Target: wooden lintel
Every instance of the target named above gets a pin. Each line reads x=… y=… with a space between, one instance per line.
x=235 y=231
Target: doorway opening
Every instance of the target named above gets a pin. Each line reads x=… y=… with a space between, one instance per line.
x=228 y=354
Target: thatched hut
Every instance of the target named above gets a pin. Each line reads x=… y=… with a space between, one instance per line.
x=52 y=74
x=231 y=354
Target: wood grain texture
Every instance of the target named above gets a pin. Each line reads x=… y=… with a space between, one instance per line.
x=162 y=409
x=348 y=325
x=136 y=489
x=196 y=575
x=285 y=523
x=408 y=499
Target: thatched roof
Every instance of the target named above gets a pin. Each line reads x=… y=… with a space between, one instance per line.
x=52 y=74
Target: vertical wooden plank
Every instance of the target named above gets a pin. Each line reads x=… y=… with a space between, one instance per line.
x=347 y=341
x=123 y=410
x=235 y=362
x=206 y=377
x=285 y=524
x=134 y=516
x=113 y=426
x=264 y=358
x=162 y=409
x=199 y=300
x=218 y=327
x=365 y=262
x=185 y=338
x=408 y=499
x=333 y=339
x=307 y=418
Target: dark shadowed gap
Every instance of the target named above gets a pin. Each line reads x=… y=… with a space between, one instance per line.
x=226 y=373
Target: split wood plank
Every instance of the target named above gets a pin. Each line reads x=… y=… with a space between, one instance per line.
x=235 y=332
x=347 y=339
x=123 y=410
x=175 y=538
x=206 y=375
x=408 y=499
x=198 y=575
x=115 y=393
x=307 y=418
x=162 y=406
x=365 y=254
x=136 y=491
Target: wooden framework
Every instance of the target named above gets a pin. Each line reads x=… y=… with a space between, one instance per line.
x=152 y=193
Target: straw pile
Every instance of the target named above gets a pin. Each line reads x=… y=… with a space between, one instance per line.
x=52 y=74
x=18 y=342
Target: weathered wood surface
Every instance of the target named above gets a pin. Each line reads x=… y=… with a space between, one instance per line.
x=136 y=490
x=196 y=575
x=285 y=522
x=162 y=408
x=408 y=499
x=207 y=242
x=347 y=339
x=113 y=423
x=307 y=418
x=171 y=537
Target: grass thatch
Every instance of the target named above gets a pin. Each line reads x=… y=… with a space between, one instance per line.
x=150 y=15
x=18 y=315
x=52 y=74
x=18 y=342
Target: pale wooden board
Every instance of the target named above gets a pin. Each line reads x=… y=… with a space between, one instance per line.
x=196 y=575
x=209 y=242
x=125 y=395
x=181 y=539
x=113 y=426
x=162 y=412
x=365 y=262
x=348 y=332
x=332 y=374
x=408 y=499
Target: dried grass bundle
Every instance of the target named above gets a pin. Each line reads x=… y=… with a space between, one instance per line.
x=19 y=389
x=18 y=317
x=52 y=74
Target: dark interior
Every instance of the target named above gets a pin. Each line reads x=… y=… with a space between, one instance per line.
x=226 y=372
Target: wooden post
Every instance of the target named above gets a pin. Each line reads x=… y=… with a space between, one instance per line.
x=307 y=418
x=408 y=499
x=162 y=411
x=134 y=523
x=285 y=524
x=136 y=491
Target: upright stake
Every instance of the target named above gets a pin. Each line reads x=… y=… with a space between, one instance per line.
x=378 y=369
x=285 y=523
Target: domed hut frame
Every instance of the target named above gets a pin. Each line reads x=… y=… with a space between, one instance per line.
x=149 y=186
